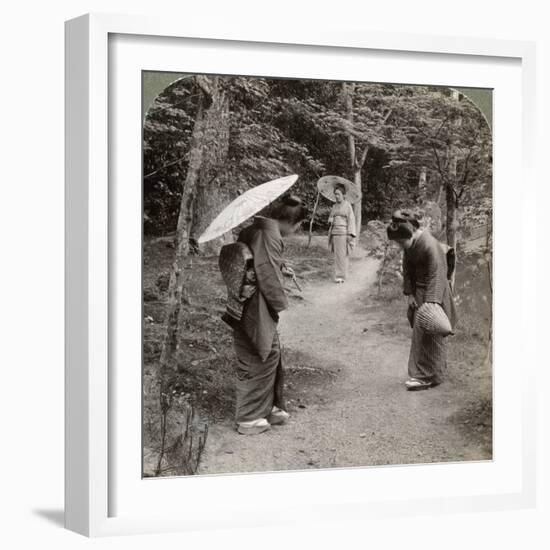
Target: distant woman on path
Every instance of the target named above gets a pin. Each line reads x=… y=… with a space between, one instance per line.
x=259 y=399
x=342 y=233
x=425 y=281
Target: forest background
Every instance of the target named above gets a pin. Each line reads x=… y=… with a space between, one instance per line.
x=207 y=139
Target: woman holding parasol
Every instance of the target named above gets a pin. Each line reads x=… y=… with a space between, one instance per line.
x=259 y=373
x=342 y=230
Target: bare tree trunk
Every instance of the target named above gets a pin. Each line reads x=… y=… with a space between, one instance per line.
x=439 y=193
x=176 y=291
x=489 y=253
x=358 y=206
x=209 y=197
x=422 y=182
x=355 y=163
x=452 y=217
x=310 y=235
x=451 y=198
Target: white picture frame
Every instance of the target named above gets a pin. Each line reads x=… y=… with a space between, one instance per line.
x=99 y=413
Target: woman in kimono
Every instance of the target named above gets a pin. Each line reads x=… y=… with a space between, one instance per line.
x=259 y=386
x=424 y=280
x=342 y=233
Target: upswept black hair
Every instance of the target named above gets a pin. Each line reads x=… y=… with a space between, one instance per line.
x=403 y=224
x=405 y=216
x=289 y=208
x=340 y=187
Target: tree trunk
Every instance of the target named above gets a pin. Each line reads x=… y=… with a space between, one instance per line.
x=355 y=165
x=210 y=196
x=310 y=235
x=358 y=206
x=452 y=217
x=452 y=225
x=176 y=290
x=451 y=201
x=422 y=181
x=451 y=198
x=439 y=193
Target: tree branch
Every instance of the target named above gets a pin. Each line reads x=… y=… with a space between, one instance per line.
x=456 y=195
x=363 y=158
x=439 y=167
x=441 y=126
x=349 y=113
x=466 y=164
x=164 y=166
x=204 y=84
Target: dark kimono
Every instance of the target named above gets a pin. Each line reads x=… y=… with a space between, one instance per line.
x=425 y=277
x=259 y=369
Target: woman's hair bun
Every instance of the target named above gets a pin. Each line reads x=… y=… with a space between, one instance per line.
x=340 y=187
x=292 y=200
x=290 y=208
x=406 y=216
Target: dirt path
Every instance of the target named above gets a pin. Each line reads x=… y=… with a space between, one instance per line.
x=361 y=415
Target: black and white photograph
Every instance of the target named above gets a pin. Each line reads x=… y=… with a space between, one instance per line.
x=275 y=275
x=316 y=274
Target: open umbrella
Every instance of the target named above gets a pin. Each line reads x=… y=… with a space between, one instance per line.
x=246 y=205
x=327 y=184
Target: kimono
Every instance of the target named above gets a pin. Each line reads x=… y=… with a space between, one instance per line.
x=256 y=342
x=342 y=222
x=425 y=278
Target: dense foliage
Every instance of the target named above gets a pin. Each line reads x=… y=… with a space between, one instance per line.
x=410 y=144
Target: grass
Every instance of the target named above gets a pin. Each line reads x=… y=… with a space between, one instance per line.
x=309 y=262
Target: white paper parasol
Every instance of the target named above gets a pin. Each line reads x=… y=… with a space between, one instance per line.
x=246 y=205
x=327 y=184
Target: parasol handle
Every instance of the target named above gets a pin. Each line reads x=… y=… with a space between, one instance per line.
x=295 y=281
x=312 y=218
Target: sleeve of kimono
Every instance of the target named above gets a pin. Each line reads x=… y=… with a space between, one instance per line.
x=267 y=250
x=352 y=229
x=436 y=275
x=408 y=288
x=331 y=215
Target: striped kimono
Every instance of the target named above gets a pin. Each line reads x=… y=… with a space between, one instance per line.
x=425 y=277
x=342 y=227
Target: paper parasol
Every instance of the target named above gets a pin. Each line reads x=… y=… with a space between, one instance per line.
x=327 y=184
x=246 y=205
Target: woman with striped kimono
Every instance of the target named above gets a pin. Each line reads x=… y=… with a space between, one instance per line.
x=424 y=281
x=259 y=396
x=342 y=233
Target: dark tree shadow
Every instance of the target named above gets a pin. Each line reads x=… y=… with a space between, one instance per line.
x=57 y=517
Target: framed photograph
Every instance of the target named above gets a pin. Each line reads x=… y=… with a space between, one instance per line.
x=290 y=258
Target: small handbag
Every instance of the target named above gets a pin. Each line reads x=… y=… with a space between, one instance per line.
x=433 y=320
